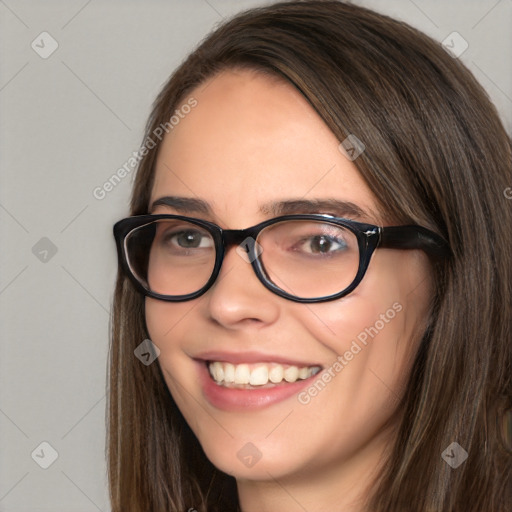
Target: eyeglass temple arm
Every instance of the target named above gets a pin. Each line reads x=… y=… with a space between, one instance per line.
x=413 y=237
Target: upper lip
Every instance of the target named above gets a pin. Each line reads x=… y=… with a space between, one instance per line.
x=250 y=357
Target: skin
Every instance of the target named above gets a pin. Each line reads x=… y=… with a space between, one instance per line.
x=252 y=140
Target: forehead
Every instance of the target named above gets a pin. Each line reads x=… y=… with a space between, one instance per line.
x=252 y=140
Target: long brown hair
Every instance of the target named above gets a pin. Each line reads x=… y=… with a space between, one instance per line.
x=437 y=155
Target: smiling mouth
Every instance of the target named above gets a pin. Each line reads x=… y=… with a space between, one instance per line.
x=257 y=375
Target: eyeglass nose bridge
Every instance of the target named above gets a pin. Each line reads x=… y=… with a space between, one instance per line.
x=244 y=238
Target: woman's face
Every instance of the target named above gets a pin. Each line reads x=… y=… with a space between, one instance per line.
x=253 y=148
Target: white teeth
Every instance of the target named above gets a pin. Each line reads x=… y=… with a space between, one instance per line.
x=217 y=371
x=242 y=374
x=258 y=374
x=229 y=372
x=291 y=374
x=303 y=373
x=276 y=374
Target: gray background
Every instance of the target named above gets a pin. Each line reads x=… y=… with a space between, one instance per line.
x=68 y=122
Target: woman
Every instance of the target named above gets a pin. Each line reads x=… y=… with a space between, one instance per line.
x=293 y=373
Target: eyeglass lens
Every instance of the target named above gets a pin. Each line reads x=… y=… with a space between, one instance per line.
x=305 y=258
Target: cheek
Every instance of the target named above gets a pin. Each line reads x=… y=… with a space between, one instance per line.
x=361 y=318
x=393 y=298
x=163 y=320
x=369 y=343
x=166 y=325
x=373 y=333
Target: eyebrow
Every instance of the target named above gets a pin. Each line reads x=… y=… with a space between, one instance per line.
x=183 y=205
x=336 y=207
x=330 y=206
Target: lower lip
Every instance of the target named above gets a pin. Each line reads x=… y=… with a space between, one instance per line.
x=232 y=399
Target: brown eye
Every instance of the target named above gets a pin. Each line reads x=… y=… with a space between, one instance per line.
x=188 y=239
x=322 y=244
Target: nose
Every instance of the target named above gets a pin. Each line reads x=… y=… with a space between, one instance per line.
x=238 y=298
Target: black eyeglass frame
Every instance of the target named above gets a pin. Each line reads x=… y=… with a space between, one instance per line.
x=369 y=237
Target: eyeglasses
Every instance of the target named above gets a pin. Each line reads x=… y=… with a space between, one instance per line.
x=304 y=258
